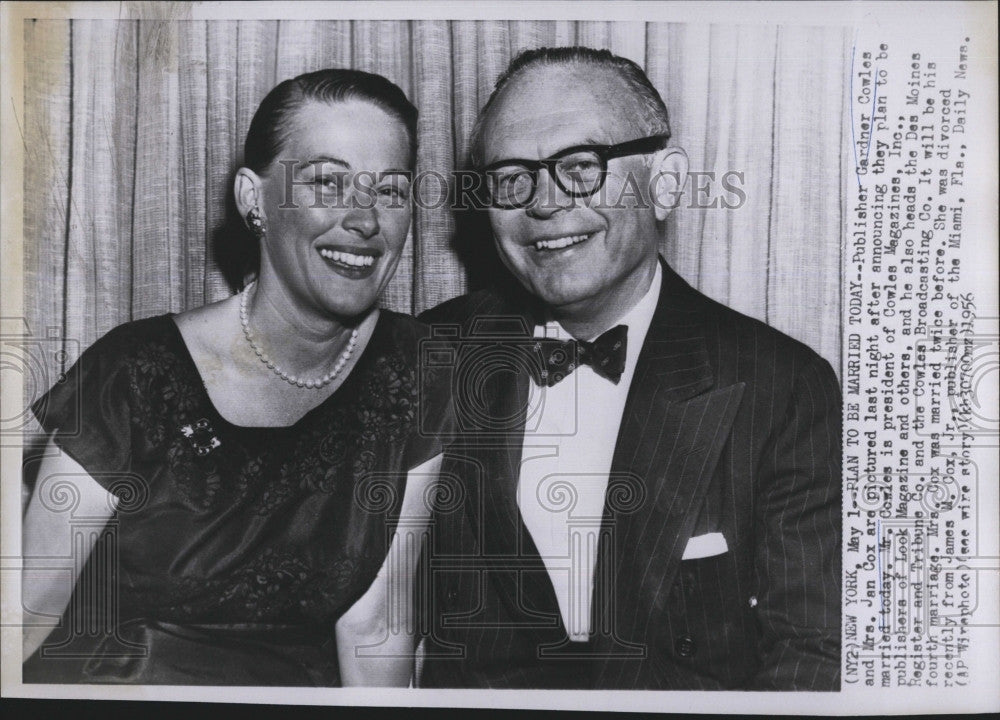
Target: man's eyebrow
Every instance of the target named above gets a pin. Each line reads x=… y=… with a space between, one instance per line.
x=588 y=140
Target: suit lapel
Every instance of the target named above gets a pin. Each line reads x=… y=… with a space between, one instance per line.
x=496 y=450
x=672 y=432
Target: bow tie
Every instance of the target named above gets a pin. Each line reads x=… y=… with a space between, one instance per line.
x=606 y=355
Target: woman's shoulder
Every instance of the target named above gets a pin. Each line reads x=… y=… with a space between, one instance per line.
x=103 y=379
x=404 y=322
x=403 y=331
x=127 y=339
x=405 y=347
x=399 y=345
x=130 y=350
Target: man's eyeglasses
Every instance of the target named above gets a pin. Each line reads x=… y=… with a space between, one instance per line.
x=579 y=171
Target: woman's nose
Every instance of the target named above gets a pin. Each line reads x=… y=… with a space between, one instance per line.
x=362 y=219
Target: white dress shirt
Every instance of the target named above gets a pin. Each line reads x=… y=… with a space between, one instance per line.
x=566 y=456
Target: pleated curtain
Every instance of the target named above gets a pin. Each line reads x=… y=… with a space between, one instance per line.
x=134 y=127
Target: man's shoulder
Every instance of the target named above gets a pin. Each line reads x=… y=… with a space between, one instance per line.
x=734 y=336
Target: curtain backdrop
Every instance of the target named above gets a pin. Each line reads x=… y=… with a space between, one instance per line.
x=133 y=127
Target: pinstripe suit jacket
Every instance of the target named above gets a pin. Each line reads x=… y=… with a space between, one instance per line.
x=730 y=427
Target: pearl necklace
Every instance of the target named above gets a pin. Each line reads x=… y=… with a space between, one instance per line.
x=291 y=379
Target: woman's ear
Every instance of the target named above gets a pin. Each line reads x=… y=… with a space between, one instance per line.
x=247 y=191
x=669 y=175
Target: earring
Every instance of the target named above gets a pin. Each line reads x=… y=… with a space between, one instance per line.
x=256 y=222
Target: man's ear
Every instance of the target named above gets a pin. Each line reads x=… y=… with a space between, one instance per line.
x=667 y=179
x=247 y=191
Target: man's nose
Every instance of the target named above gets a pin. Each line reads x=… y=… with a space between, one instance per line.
x=549 y=197
x=362 y=218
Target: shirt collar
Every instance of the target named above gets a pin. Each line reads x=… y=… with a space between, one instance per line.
x=641 y=314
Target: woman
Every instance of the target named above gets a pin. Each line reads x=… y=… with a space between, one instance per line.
x=249 y=459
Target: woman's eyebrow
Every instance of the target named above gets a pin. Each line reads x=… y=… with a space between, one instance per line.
x=323 y=159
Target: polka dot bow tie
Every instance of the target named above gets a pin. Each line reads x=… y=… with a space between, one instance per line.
x=606 y=355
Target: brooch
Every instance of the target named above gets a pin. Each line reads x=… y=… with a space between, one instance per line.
x=201 y=436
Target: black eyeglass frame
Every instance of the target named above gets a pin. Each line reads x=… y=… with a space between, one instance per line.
x=604 y=153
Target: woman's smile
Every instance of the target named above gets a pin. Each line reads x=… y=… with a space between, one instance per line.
x=352 y=263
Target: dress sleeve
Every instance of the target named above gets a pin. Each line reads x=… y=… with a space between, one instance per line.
x=87 y=412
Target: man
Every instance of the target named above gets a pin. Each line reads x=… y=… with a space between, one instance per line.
x=658 y=506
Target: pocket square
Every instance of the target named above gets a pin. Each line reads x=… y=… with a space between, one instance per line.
x=703 y=546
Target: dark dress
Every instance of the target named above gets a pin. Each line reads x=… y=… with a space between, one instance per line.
x=233 y=550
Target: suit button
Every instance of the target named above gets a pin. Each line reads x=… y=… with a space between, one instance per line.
x=684 y=646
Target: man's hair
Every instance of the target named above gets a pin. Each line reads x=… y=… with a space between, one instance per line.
x=652 y=118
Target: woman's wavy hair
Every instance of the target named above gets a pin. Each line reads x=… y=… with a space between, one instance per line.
x=237 y=250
